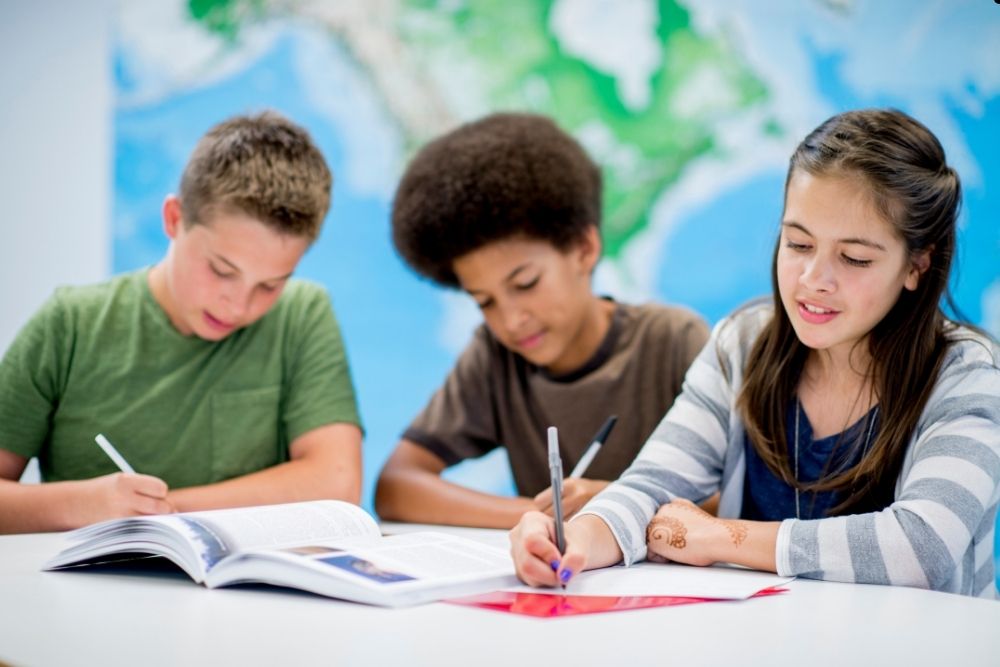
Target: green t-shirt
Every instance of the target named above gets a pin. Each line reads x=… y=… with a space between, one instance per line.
x=106 y=359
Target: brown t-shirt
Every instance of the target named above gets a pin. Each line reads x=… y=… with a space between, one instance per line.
x=494 y=397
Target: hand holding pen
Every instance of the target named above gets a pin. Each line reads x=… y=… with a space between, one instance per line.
x=125 y=493
x=576 y=490
x=587 y=544
x=546 y=551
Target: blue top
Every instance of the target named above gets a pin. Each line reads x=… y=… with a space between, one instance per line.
x=768 y=498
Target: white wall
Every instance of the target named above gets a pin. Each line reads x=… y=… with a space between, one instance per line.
x=55 y=151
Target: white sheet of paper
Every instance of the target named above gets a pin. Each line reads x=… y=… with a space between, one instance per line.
x=669 y=579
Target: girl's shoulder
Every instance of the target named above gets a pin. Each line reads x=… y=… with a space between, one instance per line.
x=969 y=376
x=736 y=333
x=969 y=347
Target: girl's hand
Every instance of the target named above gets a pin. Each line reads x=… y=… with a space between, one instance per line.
x=576 y=493
x=683 y=532
x=536 y=558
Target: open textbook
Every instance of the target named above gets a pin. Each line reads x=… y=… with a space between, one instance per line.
x=326 y=547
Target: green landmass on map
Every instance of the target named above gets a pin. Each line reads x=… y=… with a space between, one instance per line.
x=521 y=65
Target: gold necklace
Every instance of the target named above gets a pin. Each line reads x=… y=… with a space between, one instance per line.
x=864 y=450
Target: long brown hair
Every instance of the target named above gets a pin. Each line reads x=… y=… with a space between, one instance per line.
x=913 y=188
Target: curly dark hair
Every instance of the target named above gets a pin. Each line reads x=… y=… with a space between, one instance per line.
x=505 y=175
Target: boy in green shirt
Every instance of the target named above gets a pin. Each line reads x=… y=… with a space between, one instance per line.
x=508 y=209
x=220 y=381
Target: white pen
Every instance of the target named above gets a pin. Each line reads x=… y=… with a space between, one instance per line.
x=588 y=456
x=113 y=454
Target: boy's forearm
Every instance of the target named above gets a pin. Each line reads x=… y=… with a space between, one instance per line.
x=423 y=497
x=325 y=463
x=35 y=508
x=289 y=482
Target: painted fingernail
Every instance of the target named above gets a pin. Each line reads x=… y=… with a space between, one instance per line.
x=565 y=575
x=554 y=565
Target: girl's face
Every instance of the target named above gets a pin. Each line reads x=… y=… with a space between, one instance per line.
x=840 y=265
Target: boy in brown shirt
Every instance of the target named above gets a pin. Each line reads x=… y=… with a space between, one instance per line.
x=507 y=209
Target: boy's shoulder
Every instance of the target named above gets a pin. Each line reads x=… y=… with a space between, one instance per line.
x=300 y=297
x=636 y=323
x=129 y=291
x=301 y=290
x=122 y=290
x=661 y=317
x=302 y=311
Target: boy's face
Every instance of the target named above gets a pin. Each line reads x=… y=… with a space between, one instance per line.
x=537 y=300
x=224 y=274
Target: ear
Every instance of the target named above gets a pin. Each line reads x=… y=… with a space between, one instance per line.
x=588 y=249
x=919 y=264
x=172 y=217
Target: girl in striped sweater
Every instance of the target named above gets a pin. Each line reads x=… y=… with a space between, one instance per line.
x=853 y=430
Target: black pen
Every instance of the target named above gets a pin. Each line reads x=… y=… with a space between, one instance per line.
x=588 y=456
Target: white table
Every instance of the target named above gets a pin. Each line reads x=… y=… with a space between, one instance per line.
x=101 y=618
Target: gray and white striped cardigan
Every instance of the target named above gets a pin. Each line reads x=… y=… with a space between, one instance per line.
x=937 y=533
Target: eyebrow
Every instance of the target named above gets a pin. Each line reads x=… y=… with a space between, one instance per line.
x=868 y=243
x=508 y=277
x=238 y=270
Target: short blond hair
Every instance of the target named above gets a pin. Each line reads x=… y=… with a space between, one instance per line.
x=264 y=166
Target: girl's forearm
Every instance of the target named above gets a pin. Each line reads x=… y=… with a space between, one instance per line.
x=748 y=543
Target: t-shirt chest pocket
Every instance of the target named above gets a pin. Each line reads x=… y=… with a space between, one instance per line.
x=245 y=431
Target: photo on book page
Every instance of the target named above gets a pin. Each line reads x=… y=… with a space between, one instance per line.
x=552 y=605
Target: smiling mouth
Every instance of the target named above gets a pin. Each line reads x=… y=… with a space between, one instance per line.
x=217 y=323
x=813 y=314
x=531 y=341
x=816 y=310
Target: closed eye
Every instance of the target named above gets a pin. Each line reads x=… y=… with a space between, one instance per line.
x=222 y=274
x=856 y=262
x=797 y=247
x=528 y=285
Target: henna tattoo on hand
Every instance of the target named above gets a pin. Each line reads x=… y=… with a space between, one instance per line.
x=737 y=531
x=690 y=507
x=675 y=532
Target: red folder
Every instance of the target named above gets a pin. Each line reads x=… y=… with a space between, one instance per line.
x=550 y=605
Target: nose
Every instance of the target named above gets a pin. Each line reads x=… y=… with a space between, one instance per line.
x=818 y=275
x=236 y=301
x=513 y=316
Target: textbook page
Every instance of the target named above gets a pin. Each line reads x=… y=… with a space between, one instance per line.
x=267 y=526
x=196 y=541
x=391 y=571
x=428 y=555
x=723 y=582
